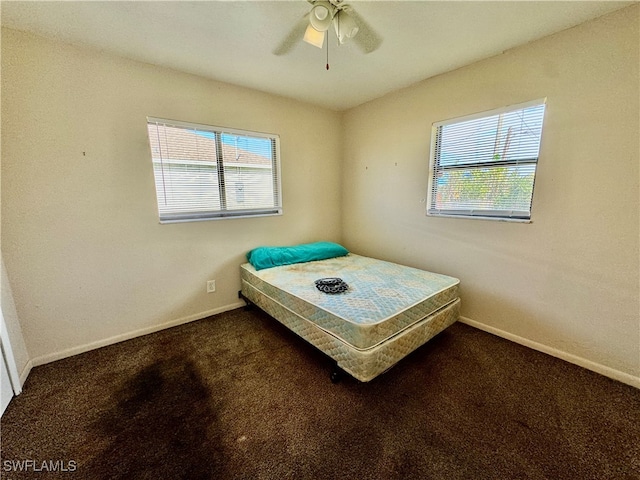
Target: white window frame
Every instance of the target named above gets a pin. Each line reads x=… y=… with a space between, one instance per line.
x=501 y=215
x=222 y=212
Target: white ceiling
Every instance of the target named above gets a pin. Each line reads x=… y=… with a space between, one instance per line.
x=233 y=41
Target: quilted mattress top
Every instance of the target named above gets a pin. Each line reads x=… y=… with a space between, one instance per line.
x=383 y=298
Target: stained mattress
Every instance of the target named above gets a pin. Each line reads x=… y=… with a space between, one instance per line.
x=383 y=299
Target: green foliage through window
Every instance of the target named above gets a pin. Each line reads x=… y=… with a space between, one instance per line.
x=485 y=165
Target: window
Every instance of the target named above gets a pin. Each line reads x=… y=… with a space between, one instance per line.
x=484 y=165
x=204 y=172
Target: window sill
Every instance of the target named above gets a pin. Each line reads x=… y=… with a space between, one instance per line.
x=479 y=217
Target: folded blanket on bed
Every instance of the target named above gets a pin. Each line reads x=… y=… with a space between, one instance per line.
x=267 y=257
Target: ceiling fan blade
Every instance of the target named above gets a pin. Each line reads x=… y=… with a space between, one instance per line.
x=367 y=39
x=293 y=37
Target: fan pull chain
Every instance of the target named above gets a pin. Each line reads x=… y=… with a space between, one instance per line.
x=327 y=38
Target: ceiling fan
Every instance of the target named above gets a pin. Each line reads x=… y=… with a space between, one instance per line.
x=314 y=26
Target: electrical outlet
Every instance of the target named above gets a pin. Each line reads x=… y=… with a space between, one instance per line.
x=211 y=286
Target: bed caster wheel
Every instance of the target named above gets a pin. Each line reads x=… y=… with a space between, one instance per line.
x=335 y=376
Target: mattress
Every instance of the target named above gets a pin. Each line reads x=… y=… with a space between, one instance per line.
x=383 y=298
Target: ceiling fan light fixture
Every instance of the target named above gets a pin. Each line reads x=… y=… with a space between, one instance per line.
x=346 y=27
x=314 y=37
x=321 y=16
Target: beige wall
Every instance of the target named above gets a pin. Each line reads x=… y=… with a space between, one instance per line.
x=18 y=348
x=566 y=283
x=87 y=259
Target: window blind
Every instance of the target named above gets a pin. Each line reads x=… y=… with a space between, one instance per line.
x=484 y=165
x=205 y=172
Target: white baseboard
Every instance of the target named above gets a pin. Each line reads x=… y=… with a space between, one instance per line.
x=582 y=362
x=25 y=372
x=52 y=357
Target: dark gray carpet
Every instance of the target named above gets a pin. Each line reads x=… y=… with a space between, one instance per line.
x=239 y=396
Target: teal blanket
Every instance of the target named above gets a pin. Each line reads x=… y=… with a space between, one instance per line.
x=267 y=257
